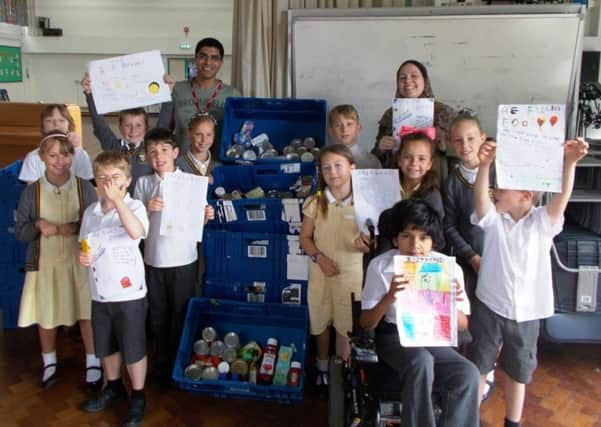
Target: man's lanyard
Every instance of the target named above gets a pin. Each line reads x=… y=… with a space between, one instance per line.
x=211 y=98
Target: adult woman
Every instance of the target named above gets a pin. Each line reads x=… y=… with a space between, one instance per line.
x=413 y=82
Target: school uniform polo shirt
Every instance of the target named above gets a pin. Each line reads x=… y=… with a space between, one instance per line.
x=379 y=275
x=95 y=220
x=515 y=278
x=162 y=251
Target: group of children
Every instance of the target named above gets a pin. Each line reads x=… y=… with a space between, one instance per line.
x=501 y=241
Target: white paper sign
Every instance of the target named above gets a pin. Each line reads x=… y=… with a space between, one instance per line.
x=530 y=147
x=184 y=197
x=128 y=81
x=412 y=112
x=374 y=190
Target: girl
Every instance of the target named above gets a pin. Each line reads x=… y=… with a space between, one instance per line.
x=418 y=178
x=464 y=238
x=56 y=117
x=331 y=238
x=198 y=159
x=56 y=288
x=413 y=82
x=415 y=229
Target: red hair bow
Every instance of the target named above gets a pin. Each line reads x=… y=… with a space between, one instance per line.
x=430 y=132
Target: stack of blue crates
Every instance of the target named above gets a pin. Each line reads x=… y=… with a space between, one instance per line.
x=248 y=287
x=12 y=252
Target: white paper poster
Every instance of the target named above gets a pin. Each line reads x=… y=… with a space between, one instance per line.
x=374 y=190
x=128 y=81
x=530 y=150
x=184 y=198
x=411 y=112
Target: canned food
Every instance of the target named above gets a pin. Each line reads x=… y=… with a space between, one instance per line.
x=220 y=192
x=230 y=354
x=309 y=142
x=292 y=156
x=300 y=150
x=269 y=154
x=193 y=372
x=235 y=151
x=236 y=195
x=240 y=367
x=201 y=348
x=217 y=348
x=210 y=373
x=296 y=142
x=249 y=155
x=288 y=149
x=315 y=152
x=231 y=340
x=307 y=157
x=209 y=334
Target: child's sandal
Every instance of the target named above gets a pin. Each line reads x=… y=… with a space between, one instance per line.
x=52 y=379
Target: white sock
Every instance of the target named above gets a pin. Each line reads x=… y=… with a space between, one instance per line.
x=491 y=376
x=323 y=365
x=92 y=375
x=49 y=359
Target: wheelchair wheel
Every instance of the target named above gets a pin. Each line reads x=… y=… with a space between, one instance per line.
x=336 y=393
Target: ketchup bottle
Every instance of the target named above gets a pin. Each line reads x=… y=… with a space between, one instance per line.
x=267 y=368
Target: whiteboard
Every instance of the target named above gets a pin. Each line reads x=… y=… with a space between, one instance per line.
x=477 y=57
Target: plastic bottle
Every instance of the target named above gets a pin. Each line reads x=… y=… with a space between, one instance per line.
x=294 y=374
x=267 y=368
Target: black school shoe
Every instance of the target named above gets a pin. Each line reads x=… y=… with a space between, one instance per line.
x=106 y=397
x=135 y=413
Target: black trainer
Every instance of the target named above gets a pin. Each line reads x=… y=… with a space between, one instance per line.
x=135 y=413
x=106 y=397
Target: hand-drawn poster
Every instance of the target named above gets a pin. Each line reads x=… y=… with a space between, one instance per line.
x=426 y=309
x=128 y=81
x=411 y=112
x=374 y=190
x=530 y=150
x=184 y=197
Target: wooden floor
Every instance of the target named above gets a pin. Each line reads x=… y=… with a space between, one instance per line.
x=566 y=392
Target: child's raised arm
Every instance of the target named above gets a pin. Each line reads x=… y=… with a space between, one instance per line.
x=486 y=155
x=132 y=224
x=574 y=151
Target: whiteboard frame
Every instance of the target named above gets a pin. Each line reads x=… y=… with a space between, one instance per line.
x=517 y=11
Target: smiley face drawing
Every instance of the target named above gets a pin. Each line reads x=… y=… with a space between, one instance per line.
x=153 y=88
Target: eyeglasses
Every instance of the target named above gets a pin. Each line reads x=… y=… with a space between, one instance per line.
x=211 y=58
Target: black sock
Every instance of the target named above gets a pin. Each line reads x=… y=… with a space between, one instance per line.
x=511 y=423
x=137 y=394
x=115 y=385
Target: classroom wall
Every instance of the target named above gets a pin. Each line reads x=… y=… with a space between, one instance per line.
x=94 y=29
x=12 y=35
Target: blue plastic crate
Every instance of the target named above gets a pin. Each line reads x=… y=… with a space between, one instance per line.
x=243 y=290
x=11 y=286
x=252 y=322
x=281 y=119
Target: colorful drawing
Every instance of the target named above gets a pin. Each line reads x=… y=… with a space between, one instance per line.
x=426 y=312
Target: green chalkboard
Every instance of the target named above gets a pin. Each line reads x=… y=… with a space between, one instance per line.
x=10 y=64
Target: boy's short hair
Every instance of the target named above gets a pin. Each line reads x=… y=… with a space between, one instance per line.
x=345 y=110
x=416 y=212
x=201 y=118
x=159 y=136
x=62 y=109
x=134 y=112
x=209 y=42
x=115 y=159
x=65 y=146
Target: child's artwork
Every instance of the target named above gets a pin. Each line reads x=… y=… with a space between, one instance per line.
x=412 y=113
x=425 y=310
x=128 y=81
x=184 y=197
x=374 y=190
x=530 y=147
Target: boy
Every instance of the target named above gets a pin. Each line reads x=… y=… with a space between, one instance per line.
x=171 y=263
x=514 y=285
x=133 y=124
x=198 y=159
x=118 y=291
x=344 y=128
x=415 y=228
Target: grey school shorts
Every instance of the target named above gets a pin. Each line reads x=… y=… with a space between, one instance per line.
x=120 y=327
x=518 y=340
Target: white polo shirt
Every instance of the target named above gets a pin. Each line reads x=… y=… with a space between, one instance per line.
x=33 y=167
x=377 y=283
x=515 y=270
x=109 y=285
x=162 y=251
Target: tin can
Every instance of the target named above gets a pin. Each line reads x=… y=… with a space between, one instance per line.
x=193 y=372
x=269 y=154
x=217 y=348
x=231 y=340
x=210 y=373
x=292 y=156
x=296 y=142
x=307 y=157
x=255 y=193
x=236 y=195
x=309 y=142
x=300 y=150
x=288 y=149
x=220 y=192
x=230 y=354
x=240 y=367
x=235 y=151
x=201 y=348
x=249 y=155
x=209 y=334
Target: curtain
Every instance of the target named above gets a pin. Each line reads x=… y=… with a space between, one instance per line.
x=260 y=41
